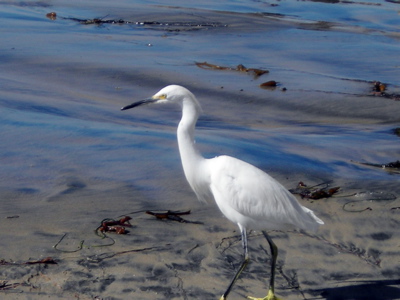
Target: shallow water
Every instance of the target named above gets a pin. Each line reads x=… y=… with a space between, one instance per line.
x=70 y=157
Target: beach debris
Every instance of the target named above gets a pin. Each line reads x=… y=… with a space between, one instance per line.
x=98 y=21
x=46 y=260
x=168 y=26
x=116 y=229
x=12 y=217
x=395 y=164
x=397 y=131
x=391 y=167
x=4 y=285
x=368 y=201
x=111 y=225
x=97 y=258
x=179 y=26
x=269 y=84
x=120 y=225
x=171 y=215
x=117 y=226
x=80 y=246
x=239 y=68
x=51 y=15
x=313 y=192
x=379 y=89
x=351 y=207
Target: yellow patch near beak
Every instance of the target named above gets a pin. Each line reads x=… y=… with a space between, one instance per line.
x=160 y=97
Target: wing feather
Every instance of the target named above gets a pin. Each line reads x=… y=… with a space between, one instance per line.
x=251 y=197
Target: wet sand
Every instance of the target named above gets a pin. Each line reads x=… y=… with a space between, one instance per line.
x=70 y=158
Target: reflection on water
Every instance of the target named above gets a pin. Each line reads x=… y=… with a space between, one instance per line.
x=63 y=83
x=43 y=144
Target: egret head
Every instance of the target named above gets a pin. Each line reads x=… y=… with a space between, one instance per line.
x=169 y=94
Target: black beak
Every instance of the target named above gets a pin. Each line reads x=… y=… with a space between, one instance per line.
x=145 y=101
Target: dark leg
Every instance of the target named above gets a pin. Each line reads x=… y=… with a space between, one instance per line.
x=274 y=254
x=242 y=266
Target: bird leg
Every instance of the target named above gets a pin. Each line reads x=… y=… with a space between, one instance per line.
x=274 y=254
x=242 y=266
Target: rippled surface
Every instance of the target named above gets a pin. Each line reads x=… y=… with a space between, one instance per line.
x=70 y=157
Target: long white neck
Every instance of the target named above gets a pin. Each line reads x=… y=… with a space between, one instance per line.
x=190 y=156
x=194 y=164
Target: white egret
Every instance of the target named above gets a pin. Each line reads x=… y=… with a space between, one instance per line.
x=246 y=195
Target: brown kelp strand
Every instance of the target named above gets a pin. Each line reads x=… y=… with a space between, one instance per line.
x=171 y=215
x=238 y=68
x=314 y=192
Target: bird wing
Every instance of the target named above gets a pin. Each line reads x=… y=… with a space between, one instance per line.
x=251 y=197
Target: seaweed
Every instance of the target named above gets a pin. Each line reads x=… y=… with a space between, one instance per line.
x=240 y=68
x=4 y=285
x=391 y=167
x=168 y=26
x=269 y=84
x=313 y=192
x=380 y=89
x=172 y=215
x=46 y=260
x=117 y=226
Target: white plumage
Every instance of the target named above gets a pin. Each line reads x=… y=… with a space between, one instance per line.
x=246 y=195
x=254 y=199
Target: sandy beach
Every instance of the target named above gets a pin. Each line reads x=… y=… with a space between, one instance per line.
x=71 y=159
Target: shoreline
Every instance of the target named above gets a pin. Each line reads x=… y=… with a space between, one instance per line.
x=70 y=157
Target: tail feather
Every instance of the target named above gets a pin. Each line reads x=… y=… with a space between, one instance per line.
x=313 y=222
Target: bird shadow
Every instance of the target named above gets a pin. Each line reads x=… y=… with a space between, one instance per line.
x=377 y=289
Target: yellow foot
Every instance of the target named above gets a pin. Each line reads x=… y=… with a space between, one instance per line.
x=270 y=296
